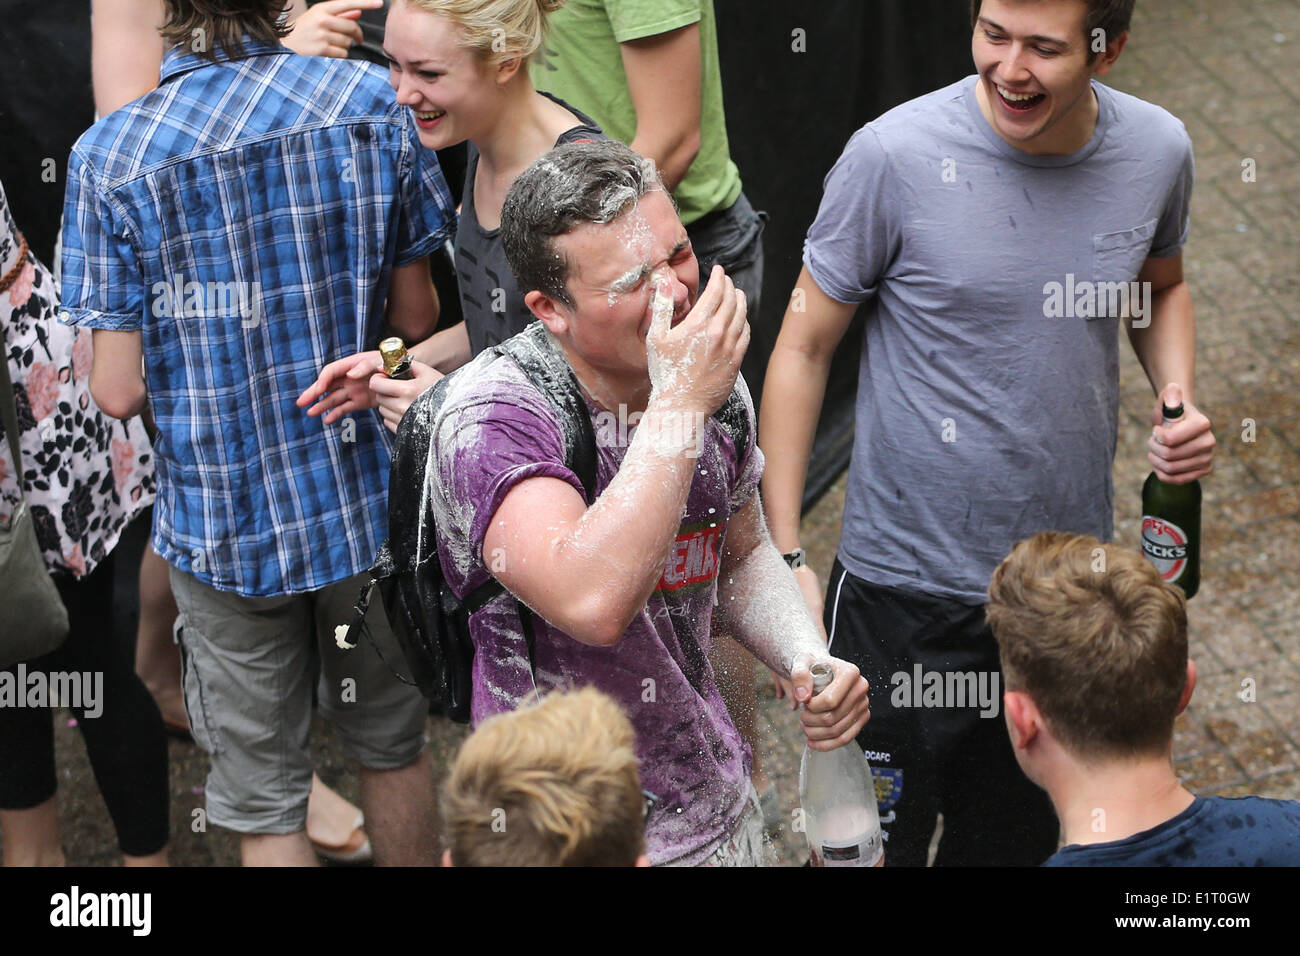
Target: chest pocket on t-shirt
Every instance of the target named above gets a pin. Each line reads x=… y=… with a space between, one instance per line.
x=1118 y=256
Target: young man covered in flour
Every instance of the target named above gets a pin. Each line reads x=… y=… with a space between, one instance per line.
x=621 y=594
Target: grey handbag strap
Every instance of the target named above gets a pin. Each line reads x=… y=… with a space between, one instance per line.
x=9 y=414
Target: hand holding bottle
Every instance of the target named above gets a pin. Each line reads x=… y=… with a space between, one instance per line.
x=833 y=717
x=1171 y=509
x=837 y=792
x=1184 y=451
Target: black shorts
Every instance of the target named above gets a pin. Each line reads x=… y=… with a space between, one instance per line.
x=937 y=741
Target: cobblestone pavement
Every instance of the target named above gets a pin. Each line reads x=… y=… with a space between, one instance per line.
x=1231 y=72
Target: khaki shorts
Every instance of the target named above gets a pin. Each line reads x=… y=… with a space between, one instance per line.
x=248 y=694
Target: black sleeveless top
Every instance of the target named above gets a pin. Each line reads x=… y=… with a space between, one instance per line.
x=491 y=300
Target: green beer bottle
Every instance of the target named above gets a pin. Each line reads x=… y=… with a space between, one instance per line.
x=1171 y=521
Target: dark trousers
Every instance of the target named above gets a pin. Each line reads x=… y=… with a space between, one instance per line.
x=126 y=742
x=930 y=749
x=733 y=239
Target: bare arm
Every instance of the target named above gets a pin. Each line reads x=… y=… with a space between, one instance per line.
x=412 y=301
x=759 y=603
x=126 y=51
x=1167 y=350
x=446 y=350
x=812 y=328
x=589 y=571
x=664 y=78
x=117 y=373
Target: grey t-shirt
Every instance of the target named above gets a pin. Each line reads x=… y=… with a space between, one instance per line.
x=490 y=297
x=988 y=388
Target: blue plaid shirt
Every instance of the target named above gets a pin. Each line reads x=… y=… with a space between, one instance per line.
x=245 y=217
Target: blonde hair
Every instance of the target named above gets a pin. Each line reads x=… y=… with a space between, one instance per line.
x=552 y=784
x=496 y=29
x=1097 y=638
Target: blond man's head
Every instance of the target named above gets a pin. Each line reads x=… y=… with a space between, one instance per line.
x=1097 y=639
x=552 y=784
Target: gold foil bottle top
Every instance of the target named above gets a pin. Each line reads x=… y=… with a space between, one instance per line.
x=393 y=352
x=397 y=361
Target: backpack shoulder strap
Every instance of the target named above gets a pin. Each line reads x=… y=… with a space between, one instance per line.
x=536 y=355
x=733 y=416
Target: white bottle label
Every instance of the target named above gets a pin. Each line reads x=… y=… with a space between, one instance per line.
x=849 y=836
x=864 y=851
x=1165 y=545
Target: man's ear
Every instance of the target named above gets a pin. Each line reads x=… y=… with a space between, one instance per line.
x=1105 y=61
x=1023 y=719
x=642 y=860
x=553 y=313
x=446 y=857
x=1191 y=686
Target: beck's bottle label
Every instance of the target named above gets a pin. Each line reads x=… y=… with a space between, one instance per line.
x=1171 y=523
x=1166 y=546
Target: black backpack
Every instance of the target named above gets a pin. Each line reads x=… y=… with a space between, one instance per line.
x=430 y=621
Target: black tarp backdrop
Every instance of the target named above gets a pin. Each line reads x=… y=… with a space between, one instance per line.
x=789 y=114
x=45 y=103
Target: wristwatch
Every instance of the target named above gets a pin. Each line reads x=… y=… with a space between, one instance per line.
x=797 y=559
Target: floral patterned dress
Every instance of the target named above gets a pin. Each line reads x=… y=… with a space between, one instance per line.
x=85 y=475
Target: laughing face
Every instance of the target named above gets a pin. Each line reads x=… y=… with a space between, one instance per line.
x=614 y=270
x=1035 y=78
x=451 y=89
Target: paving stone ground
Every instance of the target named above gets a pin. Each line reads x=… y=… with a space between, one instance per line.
x=1231 y=72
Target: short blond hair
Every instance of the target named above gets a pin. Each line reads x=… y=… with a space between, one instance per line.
x=496 y=29
x=551 y=784
x=1096 y=638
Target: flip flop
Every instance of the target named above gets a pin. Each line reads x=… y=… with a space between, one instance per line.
x=355 y=850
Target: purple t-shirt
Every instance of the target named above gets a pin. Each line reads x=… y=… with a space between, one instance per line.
x=496 y=430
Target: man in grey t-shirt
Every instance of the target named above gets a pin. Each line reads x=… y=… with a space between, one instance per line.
x=998 y=230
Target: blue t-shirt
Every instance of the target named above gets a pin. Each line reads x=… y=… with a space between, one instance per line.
x=988 y=389
x=1213 y=831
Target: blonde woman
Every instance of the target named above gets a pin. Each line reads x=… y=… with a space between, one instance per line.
x=461 y=67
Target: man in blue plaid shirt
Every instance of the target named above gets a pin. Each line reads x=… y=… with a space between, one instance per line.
x=256 y=216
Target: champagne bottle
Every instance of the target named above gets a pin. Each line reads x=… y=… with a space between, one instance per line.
x=397 y=363
x=1171 y=518
x=839 y=800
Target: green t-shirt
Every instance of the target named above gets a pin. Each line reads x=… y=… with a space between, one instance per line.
x=582 y=64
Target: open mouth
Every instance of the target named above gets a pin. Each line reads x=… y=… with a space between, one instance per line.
x=427 y=119
x=1018 y=102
